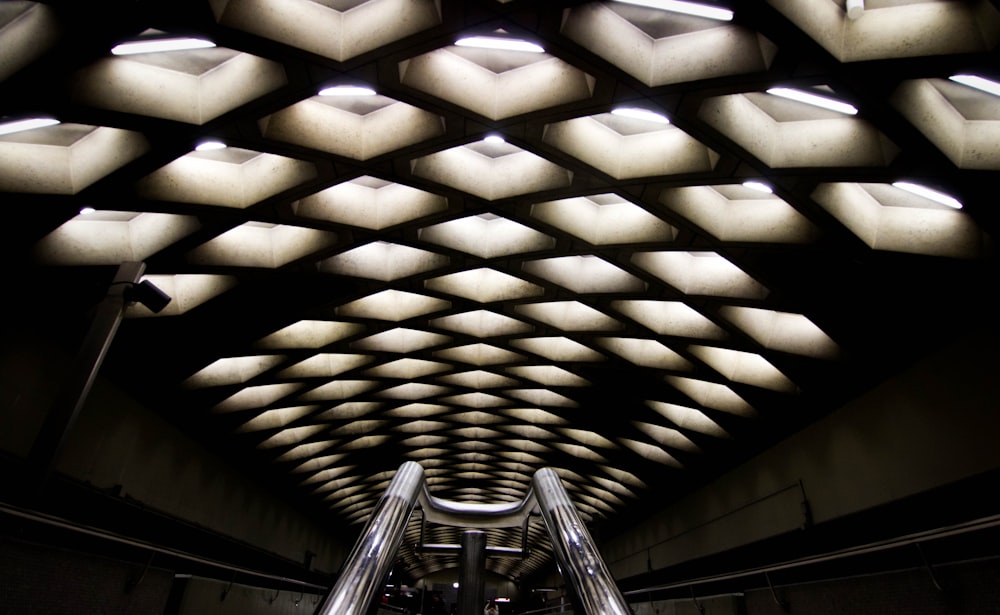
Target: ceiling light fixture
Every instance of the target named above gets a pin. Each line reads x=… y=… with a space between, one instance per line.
x=160 y=44
x=687 y=8
x=816 y=100
x=758 y=186
x=207 y=146
x=494 y=139
x=8 y=128
x=928 y=193
x=640 y=114
x=980 y=83
x=495 y=42
x=855 y=8
x=347 y=90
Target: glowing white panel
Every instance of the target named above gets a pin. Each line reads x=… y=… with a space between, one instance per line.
x=484 y=285
x=422 y=426
x=476 y=400
x=481 y=323
x=648 y=451
x=256 y=397
x=364 y=442
x=112 y=237
x=335 y=30
x=317 y=464
x=782 y=331
x=888 y=218
x=712 y=395
x=325 y=365
x=669 y=318
x=479 y=355
x=393 y=305
x=407 y=368
x=327 y=475
x=745 y=367
x=339 y=389
x=356 y=127
x=587 y=438
x=355 y=428
x=585 y=274
x=371 y=203
x=476 y=417
x=418 y=410
x=740 y=213
x=604 y=219
x=534 y=416
x=549 y=375
x=293 y=435
x=277 y=418
x=256 y=244
x=232 y=370
x=580 y=452
x=496 y=83
x=401 y=340
x=700 y=273
x=569 y=316
x=383 y=261
x=186 y=292
x=64 y=158
x=305 y=450
x=667 y=436
x=349 y=410
x=542 y=397
x=309 y=334
x=627 y=148
x=486 y=236
x=414 y=391
x=644 y=352
x=558 y=349
x=491 y=171
x=688 y=418
x=478 y=379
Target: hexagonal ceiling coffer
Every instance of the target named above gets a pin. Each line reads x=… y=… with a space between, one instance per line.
x=962 y=122
x=896 y=29
x=491 y=170
x=203 y=83
x=369 y=202
x=260 y=244
x=733 y=212
x=112 y=237
x=661 y=48
x=339 y=30
x=789 y=134
x=230 y=177
x=604 y=219
x=494 y=83
x=356 y=127
x=65 y=158
x=27 y=29
x=626 y=148
x=887 y=218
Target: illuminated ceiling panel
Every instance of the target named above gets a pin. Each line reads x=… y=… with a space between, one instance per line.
x=622 y=255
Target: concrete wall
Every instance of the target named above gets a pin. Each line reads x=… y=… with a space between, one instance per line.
x=117 y=442
x=930 y=426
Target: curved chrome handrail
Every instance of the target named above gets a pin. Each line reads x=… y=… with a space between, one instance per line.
x=368 y=564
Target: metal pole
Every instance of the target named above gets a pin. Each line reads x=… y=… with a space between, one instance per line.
x=575 y=550
x=470 y=573
x=64 y=412
x=367 y=567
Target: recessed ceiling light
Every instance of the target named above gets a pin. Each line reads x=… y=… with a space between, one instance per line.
x=7 y=128
x=160 y=44
x=640 y=114
x=816 y=100
x=928 y=193
x=855 y=8
x=758 y=186
x=980 y=83
x=347 y=90
x=688 y=8
x=207 y=146
x=496 y=42
x=494 y=139
x=86 y=210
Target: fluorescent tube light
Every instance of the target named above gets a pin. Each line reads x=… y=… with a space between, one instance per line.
x=8 y=128
x=160 y=44
x=640 y=114
x=494 y=42
x=347 y=90
x=207 y=146
x=815 y=100
x=687 y=8
x=928 y=193
x=758 y=186
x=981 y=84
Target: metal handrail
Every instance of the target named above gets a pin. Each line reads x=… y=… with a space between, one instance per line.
x=368 y=564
